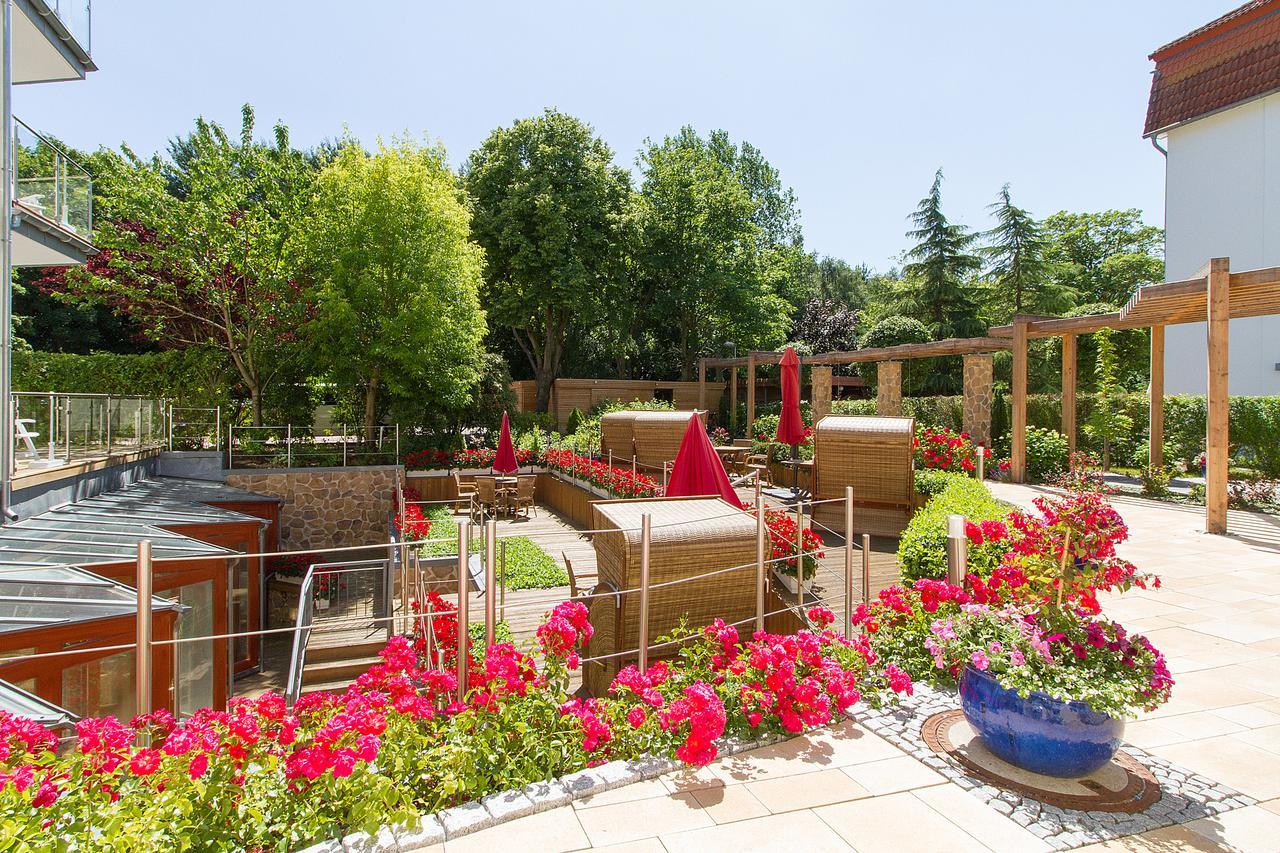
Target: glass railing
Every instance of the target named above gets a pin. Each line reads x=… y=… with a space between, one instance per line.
x=53 y=429
x=51 y=184
x=76 y=17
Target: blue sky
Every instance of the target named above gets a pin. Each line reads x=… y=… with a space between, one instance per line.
x=856 y=103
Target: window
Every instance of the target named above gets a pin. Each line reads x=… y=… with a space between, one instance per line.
x=101 y=687
x=195 y=660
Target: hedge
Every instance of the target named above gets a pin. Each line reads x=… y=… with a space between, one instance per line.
x=190 y=377
x=922 y=551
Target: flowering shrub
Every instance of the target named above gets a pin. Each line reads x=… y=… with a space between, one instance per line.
x=412 y=523
x=780 y=528
x=399 y=740
x=1085 y=659
x=896 y=624
x=617 y=481
x=1082 y=474
x=945 y=449
x=720 y=437
x=471 y=457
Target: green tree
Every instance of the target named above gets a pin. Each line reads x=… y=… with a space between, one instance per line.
x=720 y=264
x=1020 y=275
x=548 y=211
x=397 y=278
x=1105 y=256
x=208 y=267
x=834 y=280
x=938 y=285
x=893 y=331
x=1107 y=422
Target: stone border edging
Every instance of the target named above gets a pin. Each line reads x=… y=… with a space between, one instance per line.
x=504 y=806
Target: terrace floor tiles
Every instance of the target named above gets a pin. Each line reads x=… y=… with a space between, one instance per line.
x=643 y=819
x=551 y=831
x=1249 y=830
x=979 y=820
x=806 y=790
x=1249 y=769
x=898 y=823
x=642 y=790
x=891 y=775
x=784 y=833
x=1165 y=840
x=1253 y=716
x=730 y=803
x=845 y=744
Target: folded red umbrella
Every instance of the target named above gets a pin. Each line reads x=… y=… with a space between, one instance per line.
x=505 y=460
x=790 y=424
x=698 y=469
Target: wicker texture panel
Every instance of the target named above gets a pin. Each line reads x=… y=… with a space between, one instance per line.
x=658 y=436
x=875 y=456
x=689 y=536
x=617 y=434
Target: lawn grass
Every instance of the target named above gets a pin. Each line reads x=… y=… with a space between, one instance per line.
x=528 y=566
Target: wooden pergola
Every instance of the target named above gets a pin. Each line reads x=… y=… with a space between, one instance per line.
x=1215 y=296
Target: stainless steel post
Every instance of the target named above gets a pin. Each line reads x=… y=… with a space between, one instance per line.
x=107 y=419
x=169 y=429
x=799 y=550
x=633 y=468
x=344 y=445
x=490 y=581
x=502 y=580
x=760 y=574
x=142 y=654
x=464 y=638
x=957 y=550
x=611 y=457
x=643 y=643
x=53 y=446
x=217 y=429
x=288 y=445
x=866 y=568
x=6 y=258
x=981 y=467
x=66 y=422
x=848 y=561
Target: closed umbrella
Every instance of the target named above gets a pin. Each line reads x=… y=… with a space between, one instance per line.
x=790 y=424
x=504 y=462
x=698 y=469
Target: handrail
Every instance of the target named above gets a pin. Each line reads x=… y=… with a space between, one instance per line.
x=306 y=614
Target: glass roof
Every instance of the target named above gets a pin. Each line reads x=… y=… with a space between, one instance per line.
x=17 y=701
x=44 y=596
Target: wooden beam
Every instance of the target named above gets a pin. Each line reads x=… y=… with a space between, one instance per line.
x=1061 y=326
x=1155 y=430
x=1018 y=458
x=948 y=346
x=1069 y=392
x=733 y=400
x=751 y=392
x=1217 y=436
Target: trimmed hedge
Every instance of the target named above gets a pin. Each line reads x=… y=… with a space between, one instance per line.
x=190 y=377
x=922 y=551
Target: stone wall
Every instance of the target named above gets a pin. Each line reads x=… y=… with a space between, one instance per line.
x=889 y=388
x=977 y=398
x=327 y=507
x=820 y=392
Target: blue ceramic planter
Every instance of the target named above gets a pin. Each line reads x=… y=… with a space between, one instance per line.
x=1039 y=733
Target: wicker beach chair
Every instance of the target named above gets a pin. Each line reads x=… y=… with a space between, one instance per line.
x=688 y=537
x=617 y=436
x=658 y=436
x=875 y=456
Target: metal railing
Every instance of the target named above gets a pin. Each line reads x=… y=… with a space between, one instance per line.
x=53 y=428
x=291 y=446
x=50 y=184
x=191 y=428
x=342 y=595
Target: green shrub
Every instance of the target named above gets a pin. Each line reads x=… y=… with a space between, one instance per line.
x=931 y=481
x=1046 y=453
x=922 y=551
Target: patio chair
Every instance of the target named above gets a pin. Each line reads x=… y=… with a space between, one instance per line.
x=522 y=500
x=26 y=436
x=485 y=500
x=759 y=463
x=573 y=579
x=466 y=491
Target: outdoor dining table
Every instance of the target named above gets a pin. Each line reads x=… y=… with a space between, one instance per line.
x=733 y=455
x=503 y=486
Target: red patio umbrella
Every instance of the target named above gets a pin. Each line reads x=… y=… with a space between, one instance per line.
x=790 y=424
x=505 y=460
x=698 y=469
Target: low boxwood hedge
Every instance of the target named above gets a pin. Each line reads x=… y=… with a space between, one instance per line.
x=922 y=551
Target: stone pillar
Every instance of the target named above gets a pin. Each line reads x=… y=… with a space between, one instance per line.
x=889 y=388
x=820 y=392
x=977 y=397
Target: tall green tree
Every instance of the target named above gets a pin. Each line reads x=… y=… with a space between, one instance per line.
x=1107 y=422
x=1020 y=274
x=549 y=207
x=938 y=278
x=722 y=263
x=194 y=253
x=397 y=278
x=1105 y=256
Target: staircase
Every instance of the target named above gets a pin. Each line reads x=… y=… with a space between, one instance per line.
x=332 y=668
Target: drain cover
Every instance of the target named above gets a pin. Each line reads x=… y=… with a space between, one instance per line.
x=1123 y=785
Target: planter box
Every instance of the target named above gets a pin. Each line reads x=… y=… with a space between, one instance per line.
x=793 y=585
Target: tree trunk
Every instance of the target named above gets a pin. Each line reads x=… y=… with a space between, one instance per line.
x=255 y=400
x=544 y=381
x=371 y=405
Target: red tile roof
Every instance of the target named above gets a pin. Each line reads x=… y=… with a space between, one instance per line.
x=1232 y=59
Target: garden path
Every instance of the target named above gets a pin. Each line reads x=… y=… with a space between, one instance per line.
x=845 y=788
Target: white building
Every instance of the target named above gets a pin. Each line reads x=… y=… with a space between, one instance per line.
x=1215 y=110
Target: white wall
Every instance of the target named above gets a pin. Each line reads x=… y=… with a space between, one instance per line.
x=1222 y=199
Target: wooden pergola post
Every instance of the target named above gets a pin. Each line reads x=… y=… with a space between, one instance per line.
x=1218 y=301
x=733 y=399
x=702 y=384
x=751 y=392
x=1069 y=392
x=1155 y=420
x=1018 y=426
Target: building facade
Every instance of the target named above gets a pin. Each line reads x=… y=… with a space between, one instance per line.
x=1215 y=112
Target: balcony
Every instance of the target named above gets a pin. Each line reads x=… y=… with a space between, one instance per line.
x=52 y=203
x=51 y=40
